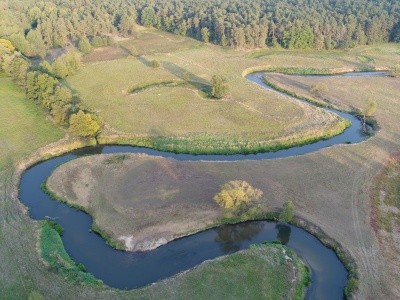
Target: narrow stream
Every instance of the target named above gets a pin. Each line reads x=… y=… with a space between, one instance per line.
x=129 y=270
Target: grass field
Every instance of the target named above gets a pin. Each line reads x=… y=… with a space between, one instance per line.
x=261 y=272
x=23 y=275
x=250 y=119
x=24 y=126
x=329 y=188
x=385 y=217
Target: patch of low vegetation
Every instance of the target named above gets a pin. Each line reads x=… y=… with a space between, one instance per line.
x=52 y=251
x=141 y=88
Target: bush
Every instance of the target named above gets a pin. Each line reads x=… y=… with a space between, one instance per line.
x=287 y=212
x=237 y=194
x=154 y=64
x=395 y=71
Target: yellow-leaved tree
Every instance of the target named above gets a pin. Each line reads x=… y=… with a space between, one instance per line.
x=236 y=195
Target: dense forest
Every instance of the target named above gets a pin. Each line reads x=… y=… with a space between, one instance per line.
x=30 y=29
x=36 y=26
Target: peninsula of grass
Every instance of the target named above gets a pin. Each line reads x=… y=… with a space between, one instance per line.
x=264 y=271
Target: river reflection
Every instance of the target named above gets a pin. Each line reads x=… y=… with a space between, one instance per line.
x=284 y=231
x=231 y=237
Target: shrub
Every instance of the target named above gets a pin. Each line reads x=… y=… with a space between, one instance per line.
x=287 y=212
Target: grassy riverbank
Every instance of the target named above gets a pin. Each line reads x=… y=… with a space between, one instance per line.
x=180 y=117
x=329 y=188
x=265 y=271
x=53 y=253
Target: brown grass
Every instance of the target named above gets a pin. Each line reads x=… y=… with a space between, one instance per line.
x=330 y=188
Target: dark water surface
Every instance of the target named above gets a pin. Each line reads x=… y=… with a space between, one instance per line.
x=121 y=269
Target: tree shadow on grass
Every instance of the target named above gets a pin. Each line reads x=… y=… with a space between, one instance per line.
x=197 y=82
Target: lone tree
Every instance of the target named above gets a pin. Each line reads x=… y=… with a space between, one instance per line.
x=154 y=64
x=236 y=195
x=287 y=212
x=219 y=87
x=368 y=112
x=84 y=124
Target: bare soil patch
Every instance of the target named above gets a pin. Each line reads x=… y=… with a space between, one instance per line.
x=105 y=53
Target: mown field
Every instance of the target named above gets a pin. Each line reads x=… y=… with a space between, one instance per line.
x=24 y=275
x=248 y=119
x=330 y=188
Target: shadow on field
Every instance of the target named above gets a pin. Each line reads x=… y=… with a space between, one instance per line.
x=192 y=79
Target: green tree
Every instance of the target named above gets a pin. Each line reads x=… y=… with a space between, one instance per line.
x=148 y=17
x=84 y=45
x=154 y=64
x=96 y=42
x=127 y=25
x=60 y=69
x=287 y=212
x=35 y=39
x=205 y=35
x=219 y=86
x=84 y=124
x=237 y=194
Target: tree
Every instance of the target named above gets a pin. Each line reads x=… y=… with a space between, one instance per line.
x=148 y=17
x=219 y=87
x=368 y=112
x=60 y=69
x=205 y=35
x=237 y=194
x=287 y=212
x=84 y=45
x=37 y=44
x=84 y=124
x=154 y=64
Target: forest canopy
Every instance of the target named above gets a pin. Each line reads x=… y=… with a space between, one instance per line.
x=34 y=27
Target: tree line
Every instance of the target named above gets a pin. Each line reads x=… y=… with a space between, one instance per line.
x=35 y=27
x=42 y=85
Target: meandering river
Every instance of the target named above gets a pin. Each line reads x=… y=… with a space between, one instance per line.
x=122 y=269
